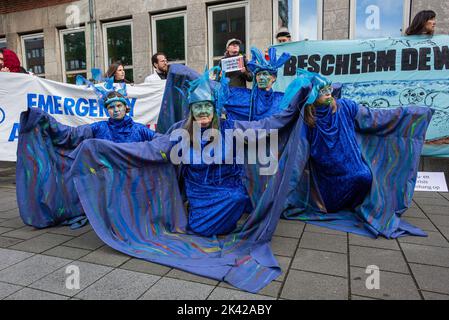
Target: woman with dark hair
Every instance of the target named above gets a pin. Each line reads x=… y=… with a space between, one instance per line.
x=423 y=24
x=117 y=71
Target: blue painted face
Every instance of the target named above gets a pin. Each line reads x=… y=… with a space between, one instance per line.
x=203 y=112
x=117 y=110
x=265 y=80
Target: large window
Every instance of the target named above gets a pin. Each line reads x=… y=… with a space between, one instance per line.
x=2 y=43
x=227 y=22
x=378 y=18
x=303 y=18
x=118 y=45
x=33 y=55
x=169 y=36
x=73 y=50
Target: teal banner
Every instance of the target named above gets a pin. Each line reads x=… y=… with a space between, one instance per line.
x=381 y=73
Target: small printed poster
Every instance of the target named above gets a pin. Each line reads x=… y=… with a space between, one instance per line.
x=232 y=64
x=431 y=181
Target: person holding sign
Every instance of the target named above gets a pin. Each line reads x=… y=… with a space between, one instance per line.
x=234 y=65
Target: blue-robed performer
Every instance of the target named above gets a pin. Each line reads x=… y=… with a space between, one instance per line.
x=361 y=164
x=45 y=193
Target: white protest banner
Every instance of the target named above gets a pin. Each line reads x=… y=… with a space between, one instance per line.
x=431 y=181
x=68 y=104
x=232 y=64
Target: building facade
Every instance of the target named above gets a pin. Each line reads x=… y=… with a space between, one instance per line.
x=58 y=39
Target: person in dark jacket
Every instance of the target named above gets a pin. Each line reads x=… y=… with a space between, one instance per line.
x=236 y=78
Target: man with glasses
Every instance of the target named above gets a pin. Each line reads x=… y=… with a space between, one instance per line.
x=160 y=65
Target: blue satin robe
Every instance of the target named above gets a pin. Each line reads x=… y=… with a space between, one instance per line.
x=343 y=177
x=121 y=131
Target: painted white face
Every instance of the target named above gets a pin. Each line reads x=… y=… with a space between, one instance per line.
x=117 y=110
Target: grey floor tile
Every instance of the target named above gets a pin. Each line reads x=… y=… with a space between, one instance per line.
x=424 y=194
x=380 y=243
x=56 y=281
x=392 y=286
x=433 y=239
x=106 y=256
x=284 y=246
x=145 y=267
x=414 y=213
x=431 y=278
x=66 y=252
x=182 y=275
x=7 y=289
x=355 y=297
x=8 y=205
x=175 y=289
x=324 y=242
x=302 y=285
x=271 y=290
x=445 y=232
x=14 y=223
x=426 y=255
x=440 y=201
x=66 y=231
x=11 y=257
x=445 y=195
x=424 y=224
x=25 y=233
x=440 y=220
x=119 y=285
x=330 y=263
x=319 y=229
x=8 y=242
x=386 y=260
x=31 y=294
x=26 y=272
x=434 y=296
x=429 y=210
x=229 y=294
x=88 y=241
x=4 y=230
x=287 y=229
x=284 y=263
x=41 y=243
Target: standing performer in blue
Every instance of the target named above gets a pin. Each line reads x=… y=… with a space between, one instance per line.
x=262 y=101
x=53 y=200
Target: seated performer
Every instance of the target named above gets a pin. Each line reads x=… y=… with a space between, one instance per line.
x=216 y=194
x=43 y=210
x=343 y=177
x=261 y=101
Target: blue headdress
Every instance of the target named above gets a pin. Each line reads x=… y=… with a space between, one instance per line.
x=203 y=89
x=317 y=81
x=259 y=63
x=103 y=89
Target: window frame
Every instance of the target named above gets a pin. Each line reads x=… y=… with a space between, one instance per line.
x=295 y=31
x=210 y=27
x=120 y=23
x=3 y=40
x=353 y=17
x=61 y=43
x=24 y=57
x=165 y=16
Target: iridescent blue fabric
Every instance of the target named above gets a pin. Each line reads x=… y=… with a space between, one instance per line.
x=265 y=103
x=343 y=177
x=216 y=193
x=45 y=192
x=120 y=131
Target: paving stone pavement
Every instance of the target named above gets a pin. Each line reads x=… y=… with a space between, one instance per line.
x=316 y=263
